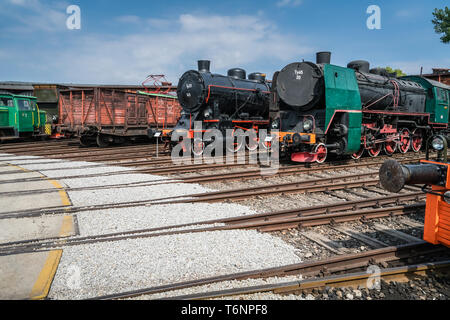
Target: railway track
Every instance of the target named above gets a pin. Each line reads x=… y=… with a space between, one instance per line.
x=334 y=265
x=238 y=175
x=330 y=214
x=357 y=279
x=37 y=144
x=310 y=186
x=266 y=222
x=97 y=154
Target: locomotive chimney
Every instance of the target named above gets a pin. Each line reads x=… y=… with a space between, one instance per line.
x=323 y=57
x=203 y=65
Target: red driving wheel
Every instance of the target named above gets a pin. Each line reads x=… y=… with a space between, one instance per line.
x=252 y=143
x=375 y=150
x=405 y=140
x=390 y=147
x=322 y=152
x=198 y=146
x=416 y=140
x=358 y=155
x=237 y=145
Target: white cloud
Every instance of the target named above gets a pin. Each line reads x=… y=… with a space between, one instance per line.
x=289 y=3
x=129 y=19
x=159 y=23
x=33 y=15
x=405 y=13
x=228 y=41
x=18 y=2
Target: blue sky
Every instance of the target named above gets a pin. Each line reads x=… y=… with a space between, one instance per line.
x=123 y=42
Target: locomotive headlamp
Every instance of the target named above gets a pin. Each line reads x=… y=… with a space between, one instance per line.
x=207 y=113
x=438 y=144
x=307 y=125
x=276 y=124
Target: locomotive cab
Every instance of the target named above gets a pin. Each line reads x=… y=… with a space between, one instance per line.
x=20 y=117
x=434 y=175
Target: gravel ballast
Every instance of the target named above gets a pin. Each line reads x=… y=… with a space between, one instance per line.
x=218 y=286
x=155 y=216
x=102 y=181
x=110 y=267
x=127 y=194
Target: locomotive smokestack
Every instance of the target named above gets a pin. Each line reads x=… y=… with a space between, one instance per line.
x=323 y=57
x=203 y=65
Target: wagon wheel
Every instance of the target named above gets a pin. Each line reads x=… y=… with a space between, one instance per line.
x=322 y=152
x=375 y=150
x=416 y=140
x=357 y=155
x=405 y=140
x=198 y=147
x=101 y=141
x=84 y=142
x=390 y=147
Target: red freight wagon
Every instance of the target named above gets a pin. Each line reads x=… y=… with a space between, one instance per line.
x=164 y=111
x=103 y=115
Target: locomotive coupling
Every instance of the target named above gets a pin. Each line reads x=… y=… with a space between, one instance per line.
x=394 y=176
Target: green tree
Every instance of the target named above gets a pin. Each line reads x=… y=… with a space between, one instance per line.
x=399 y=72
x=441 y=23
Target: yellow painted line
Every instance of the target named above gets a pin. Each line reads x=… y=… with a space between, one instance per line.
x=42 y=285
x=67 y=228
x=56 y=184
x=62 y=193
x=64 y=198
x=20 y=168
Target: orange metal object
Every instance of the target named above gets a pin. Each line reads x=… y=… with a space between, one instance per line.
x=437 y=213
x=312 y=136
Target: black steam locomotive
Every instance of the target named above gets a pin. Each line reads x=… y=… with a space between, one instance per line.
x=222 y=102
x=316 y=108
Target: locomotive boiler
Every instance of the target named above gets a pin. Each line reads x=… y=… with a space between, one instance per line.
x=320 y=108
x=222 y=101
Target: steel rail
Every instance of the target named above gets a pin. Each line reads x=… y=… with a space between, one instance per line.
x=313 y=268
x=317 y=185
x=263 y=223
x=337 y=281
